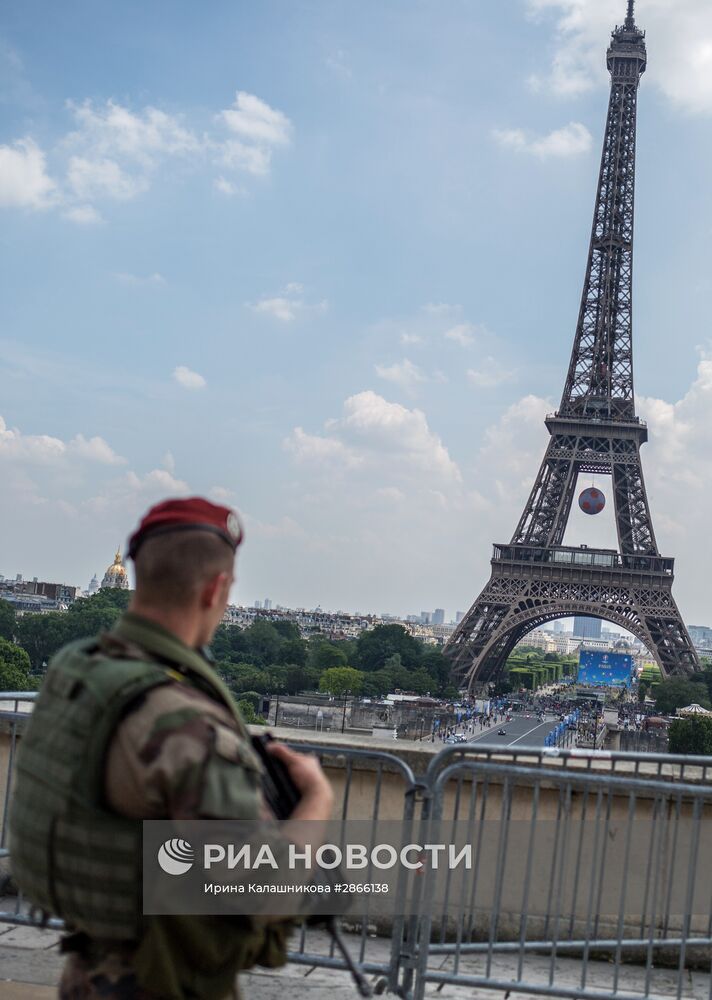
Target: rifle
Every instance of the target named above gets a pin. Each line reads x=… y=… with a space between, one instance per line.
x=283 y=797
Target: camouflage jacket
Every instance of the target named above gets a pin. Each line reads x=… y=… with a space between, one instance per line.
x=166 y=760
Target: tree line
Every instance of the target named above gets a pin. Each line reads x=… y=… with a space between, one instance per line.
x=268 y=657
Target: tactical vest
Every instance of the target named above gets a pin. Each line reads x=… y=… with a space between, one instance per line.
x=73 y=857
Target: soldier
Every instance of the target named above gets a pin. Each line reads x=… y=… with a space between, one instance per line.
x=135 y=724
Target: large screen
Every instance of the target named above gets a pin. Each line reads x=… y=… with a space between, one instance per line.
x=598 y=669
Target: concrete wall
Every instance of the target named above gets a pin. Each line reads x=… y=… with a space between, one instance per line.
x=375 y=785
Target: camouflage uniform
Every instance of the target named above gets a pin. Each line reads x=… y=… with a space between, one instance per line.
x=161 y=763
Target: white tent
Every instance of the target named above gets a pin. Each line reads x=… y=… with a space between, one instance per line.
x=693 y=709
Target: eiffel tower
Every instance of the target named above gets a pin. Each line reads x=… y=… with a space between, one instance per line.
x=535 y=578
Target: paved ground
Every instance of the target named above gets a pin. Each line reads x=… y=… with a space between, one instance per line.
x=30 y=964
x=522 y=731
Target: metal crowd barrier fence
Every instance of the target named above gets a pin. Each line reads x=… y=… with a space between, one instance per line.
x=589 y=872
x=585 y=881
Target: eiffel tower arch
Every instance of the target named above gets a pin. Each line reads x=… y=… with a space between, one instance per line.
x=536 y=578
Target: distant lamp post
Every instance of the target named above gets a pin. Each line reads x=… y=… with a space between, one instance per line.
x=319 y=721
x=343 y=717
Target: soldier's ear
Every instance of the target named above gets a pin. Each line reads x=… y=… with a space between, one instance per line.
x=213 y=591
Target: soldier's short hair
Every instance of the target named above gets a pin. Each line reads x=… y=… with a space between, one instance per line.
x=172 y=567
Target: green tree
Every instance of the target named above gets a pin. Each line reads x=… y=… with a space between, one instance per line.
x=14 y=668
x=299 y=678
x=502 y=687
x=249 y=715
x=293 y=651
x=264 y=642
x=376 y=645
x=324 y=655
x=420 y=682
x=231 y=643
x=254 y=698
x=692 y=735
x=243 y=677
x=341 y=681
x=7 y=621
x=276 y=675
x=677 y=692
x=377 y=683
x=41 y=635
x=439 y=668
x=288 y=630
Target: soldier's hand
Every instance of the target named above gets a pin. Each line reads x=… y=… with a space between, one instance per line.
x=306 y=772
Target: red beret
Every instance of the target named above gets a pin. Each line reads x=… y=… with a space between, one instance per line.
x=192 y=513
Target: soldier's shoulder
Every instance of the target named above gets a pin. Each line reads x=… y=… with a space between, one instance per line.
x=172 y=710
x=164 y=751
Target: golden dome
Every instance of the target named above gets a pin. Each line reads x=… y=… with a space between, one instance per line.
x=116 y=575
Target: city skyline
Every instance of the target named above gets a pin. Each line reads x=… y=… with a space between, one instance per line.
x=318 y=283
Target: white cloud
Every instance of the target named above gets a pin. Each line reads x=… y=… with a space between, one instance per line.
x=414 y=339
x=253 y=119
x=188 y=379
x=288 y=305
x=489 y=374
x=337 y=62
x=24 y=182
x=571 y=140
x=391 y=493
x=679 y=30
x=83 y=215
x=375 y=433
x=461 y=333
x=255 y=130
x=114 y=153
x=112 y=130
x=95 y=449
x=314 y=448
x=279 y=307
x=44 y=449
x=239 y=156
x=89 y=179
x=403 y=373
x=126 y=278
x=226 y=187
x=220 y=494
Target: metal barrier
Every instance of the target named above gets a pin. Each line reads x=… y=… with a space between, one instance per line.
x=589 y=872
x=567 y=861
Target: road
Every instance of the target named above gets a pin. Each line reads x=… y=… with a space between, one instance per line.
x=521 y=732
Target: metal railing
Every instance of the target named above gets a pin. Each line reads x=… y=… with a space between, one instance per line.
x=590 y=873
x=583 y=557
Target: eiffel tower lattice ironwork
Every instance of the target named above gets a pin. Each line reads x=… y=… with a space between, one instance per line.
x=535 y=578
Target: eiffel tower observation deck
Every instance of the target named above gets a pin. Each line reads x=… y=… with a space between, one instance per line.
x=536 y=578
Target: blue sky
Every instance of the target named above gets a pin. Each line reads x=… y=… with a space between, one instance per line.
x=322 y=260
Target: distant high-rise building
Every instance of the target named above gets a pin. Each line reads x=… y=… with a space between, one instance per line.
x=459 y=615
x=258 y=605
x=438 y=616
x=267 y=604
x=587 y=628
x=701 y=635
x=425 y=617
x=558 y=625
x=93 y=585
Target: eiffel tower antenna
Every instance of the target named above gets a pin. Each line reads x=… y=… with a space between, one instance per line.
x=535 y=578
x=630 y=19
